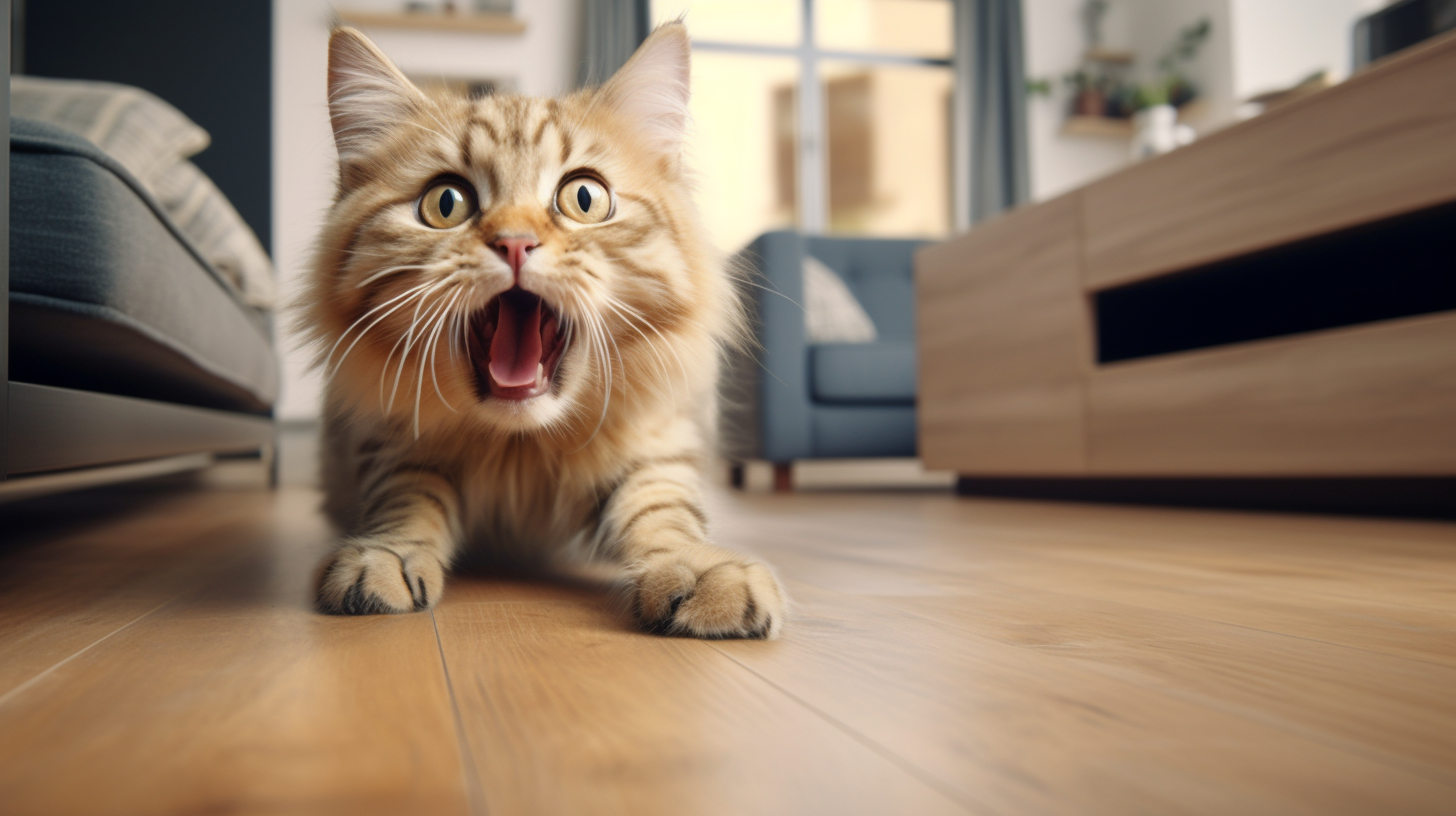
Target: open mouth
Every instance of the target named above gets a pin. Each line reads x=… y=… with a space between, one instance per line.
x=515 y=346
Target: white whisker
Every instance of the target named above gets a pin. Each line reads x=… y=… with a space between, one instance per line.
x=592 y=322
x=618 y=258
x=385 y=273
x=416 y=341
x=774 y=291
x=370 y=254
x=424 y=351
x=447 y=316
x=617 y=305
x=406 y=296
x=456 y=332
x=407 y=340
x=661 y=361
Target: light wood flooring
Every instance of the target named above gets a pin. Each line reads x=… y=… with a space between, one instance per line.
x=158 y=655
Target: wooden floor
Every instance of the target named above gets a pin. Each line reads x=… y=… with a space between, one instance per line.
x=158 y=655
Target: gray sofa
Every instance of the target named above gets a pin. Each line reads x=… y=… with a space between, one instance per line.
x=791 y=399
x=129 y=354
x=107 y=295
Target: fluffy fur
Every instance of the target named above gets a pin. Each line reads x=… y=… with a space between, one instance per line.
x=422 y=458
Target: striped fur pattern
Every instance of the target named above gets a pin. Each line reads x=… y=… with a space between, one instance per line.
x=424 y=456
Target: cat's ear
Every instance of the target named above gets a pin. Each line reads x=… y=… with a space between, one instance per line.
x=367 y=93
x=652 y=88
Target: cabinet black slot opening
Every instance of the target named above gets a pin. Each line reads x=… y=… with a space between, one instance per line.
x=1398 y=267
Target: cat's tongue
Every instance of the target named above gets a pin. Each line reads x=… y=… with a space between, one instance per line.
x=515 y=351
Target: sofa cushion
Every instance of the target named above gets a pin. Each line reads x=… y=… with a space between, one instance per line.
x=153 y=141
x=107 y=294
x=140 y=131
x=881 y=274
x=881 y=373
x=853 y=431
x=831 y=313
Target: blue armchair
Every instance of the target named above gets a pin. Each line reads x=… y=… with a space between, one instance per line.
x=792 y=399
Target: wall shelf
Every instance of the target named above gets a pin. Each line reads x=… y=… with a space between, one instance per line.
x=474 y=23
x=1113 y=56
x=1104 y=126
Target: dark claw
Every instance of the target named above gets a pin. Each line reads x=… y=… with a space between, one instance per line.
x=354 y=597
x=762 y=634
x=663 y=625
x=355 y=602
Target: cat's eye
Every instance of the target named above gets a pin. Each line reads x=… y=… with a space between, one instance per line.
x=447 y=204
x=584 y=199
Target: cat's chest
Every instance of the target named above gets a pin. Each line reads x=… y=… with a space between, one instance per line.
x=510 y=506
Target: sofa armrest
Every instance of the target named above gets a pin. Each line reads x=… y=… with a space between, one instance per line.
x=774 y=415
x=5 y=253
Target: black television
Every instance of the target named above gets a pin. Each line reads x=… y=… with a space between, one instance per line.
x=1399 y=26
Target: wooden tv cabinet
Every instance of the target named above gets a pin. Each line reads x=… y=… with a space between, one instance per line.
x=1276 y=300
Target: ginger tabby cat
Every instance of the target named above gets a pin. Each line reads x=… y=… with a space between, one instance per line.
x=521 y=320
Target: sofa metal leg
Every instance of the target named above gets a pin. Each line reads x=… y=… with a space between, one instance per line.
x=269 y=453
x=783 y=477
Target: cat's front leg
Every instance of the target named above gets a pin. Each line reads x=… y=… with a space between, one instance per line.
x=683 y=584
x=411 y=528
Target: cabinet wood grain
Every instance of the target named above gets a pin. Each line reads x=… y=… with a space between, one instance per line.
x=1004 y=345
x=1009 y=385
x=1376 y=146
x=1365 y=400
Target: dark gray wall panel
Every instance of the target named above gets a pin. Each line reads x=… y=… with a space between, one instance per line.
x=212 y=60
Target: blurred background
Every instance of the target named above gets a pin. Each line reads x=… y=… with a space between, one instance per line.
x=1178 y=252
x=864 y=128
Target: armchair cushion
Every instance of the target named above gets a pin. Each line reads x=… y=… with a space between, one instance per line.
x=831 y=313
x=795 y=399
x=880 y=272
x=881 y=373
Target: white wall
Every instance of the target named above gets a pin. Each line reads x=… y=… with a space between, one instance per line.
x=1156 y=26
x=542 y=61
x=1254 y=46
x=1055 y=43
x=1279 y=43
x=1054 y=46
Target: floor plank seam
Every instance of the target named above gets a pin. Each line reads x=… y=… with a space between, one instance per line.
x=1252 y=714
x=1014 y=584
x=1232 y=624
x=6 y=697
x=915 y=771
x=474 y=792
x=118 y=630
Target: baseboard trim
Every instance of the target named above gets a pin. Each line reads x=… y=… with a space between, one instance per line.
x=1412 y=497
x=26 y=487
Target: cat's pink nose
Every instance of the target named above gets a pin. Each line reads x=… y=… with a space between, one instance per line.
x=514 y=251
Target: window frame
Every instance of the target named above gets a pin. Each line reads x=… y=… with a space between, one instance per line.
x=811 y=145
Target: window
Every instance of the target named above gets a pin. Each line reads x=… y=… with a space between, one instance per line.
x=825 y=115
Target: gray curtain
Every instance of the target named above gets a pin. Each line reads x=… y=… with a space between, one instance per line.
x=611 y=31
x=991 y=66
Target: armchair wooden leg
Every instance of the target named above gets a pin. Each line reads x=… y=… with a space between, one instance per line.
x=736 y=476
x=783 y=477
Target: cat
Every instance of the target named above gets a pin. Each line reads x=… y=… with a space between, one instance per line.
x=520 y=320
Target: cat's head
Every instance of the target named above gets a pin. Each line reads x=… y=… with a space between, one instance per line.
x=527 y=264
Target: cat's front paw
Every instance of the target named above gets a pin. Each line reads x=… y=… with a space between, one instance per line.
x=365 y=578
x=723 y=595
